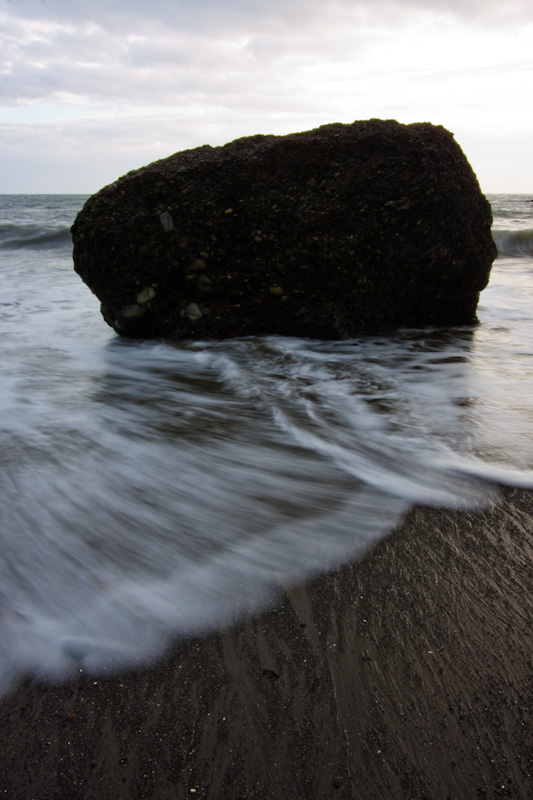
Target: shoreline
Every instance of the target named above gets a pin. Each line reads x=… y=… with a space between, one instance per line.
x=408 y=674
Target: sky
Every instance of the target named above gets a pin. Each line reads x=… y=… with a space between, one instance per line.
x=90 y=90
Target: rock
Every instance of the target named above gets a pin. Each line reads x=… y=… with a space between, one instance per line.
x=192 y=312
x=336 y=232
x=146 y=295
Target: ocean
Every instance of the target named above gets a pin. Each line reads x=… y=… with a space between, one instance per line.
x=153 y=489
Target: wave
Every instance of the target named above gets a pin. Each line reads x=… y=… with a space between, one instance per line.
x=176 y=488
x=33 y=237
x=514 y=243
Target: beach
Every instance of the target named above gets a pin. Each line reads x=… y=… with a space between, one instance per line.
x=266 y=419
x=405 y=675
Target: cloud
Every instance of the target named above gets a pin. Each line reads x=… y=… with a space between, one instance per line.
x=130 y=53
x=117 y=84
x=221 y=15
x=76 y=156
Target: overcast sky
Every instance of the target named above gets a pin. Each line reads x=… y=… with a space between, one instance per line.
x=92 y=89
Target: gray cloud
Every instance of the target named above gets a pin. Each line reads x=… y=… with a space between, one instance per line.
x=64 y=63
x=153 y=78
x=127 y=52
x=238 y=15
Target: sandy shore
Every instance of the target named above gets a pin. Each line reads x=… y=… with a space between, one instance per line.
x=407 y=675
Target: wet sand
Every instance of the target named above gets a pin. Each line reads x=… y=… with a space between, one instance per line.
x=406 y=675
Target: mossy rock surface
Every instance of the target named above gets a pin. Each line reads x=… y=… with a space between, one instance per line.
x=337 y=232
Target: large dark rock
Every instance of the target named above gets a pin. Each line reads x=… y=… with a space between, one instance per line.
x=336 y=232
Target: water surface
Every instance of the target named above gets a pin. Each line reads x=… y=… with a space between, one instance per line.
x=153 y=489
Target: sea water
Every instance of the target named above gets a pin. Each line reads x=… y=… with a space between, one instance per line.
x=152 y=489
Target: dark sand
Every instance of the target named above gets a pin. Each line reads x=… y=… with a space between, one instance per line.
x=407 y=675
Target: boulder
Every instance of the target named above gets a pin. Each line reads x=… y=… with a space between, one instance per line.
x=337 y=232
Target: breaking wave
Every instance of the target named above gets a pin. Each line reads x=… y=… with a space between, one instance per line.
x=514 y=243
x=33 y=237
